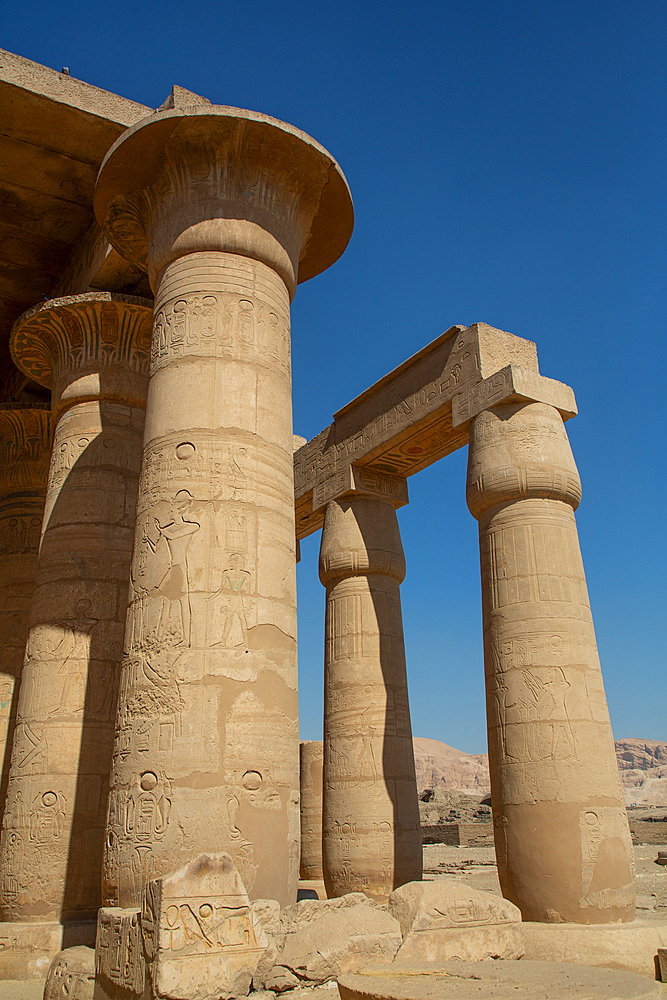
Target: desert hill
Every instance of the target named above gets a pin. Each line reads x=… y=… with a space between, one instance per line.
x=642 y=765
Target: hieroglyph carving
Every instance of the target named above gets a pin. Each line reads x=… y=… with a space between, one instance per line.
x=554 y=777
x=94 y=349
x=203 y=612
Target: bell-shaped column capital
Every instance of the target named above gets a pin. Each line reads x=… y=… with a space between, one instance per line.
x=360 y=537
x=520 y=451
x=86 y=347
x=215 y=178
x=26 y=433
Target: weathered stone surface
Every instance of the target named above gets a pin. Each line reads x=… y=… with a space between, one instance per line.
x=26 y=432
x=229 y=210
x=92 y=351
x=522 y=980
x=631 y=946
x=441 y=921
x=27 y=949
x=266 y=913
x=371 y=837
x=311 y=762
x=120 y=964
x=200 y=934
x=561 y=831
x=319 y=940
x=71 y=975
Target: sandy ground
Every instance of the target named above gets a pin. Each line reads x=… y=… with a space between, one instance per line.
x=475 y=866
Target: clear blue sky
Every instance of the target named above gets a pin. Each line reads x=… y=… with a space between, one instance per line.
x=507 y=163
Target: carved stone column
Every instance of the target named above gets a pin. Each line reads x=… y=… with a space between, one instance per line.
x=561 y=831
x=370 y=814
x=227 y=209
x=93 y=350
x=25 y=449
x=311 y=762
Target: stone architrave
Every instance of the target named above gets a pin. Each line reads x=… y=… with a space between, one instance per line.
x=418 y=413
x=228 y=210
x=311 y=758
x=371 y=839
x=25 y=450
x=561 y=831
x=93 y=350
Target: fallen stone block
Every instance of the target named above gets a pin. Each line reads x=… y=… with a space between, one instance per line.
x=522 y=980
x=633 y=946
x=120 y=965
x=71 y=975
x=441 y=921
x=201 y=937
x=321 y=939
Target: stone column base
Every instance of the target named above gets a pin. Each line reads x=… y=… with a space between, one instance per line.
x=310 y=885
x=632 y=946
x=26 y=949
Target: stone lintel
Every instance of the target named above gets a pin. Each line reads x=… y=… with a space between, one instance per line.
x=415 y=414
x=355 y=480
x=509 y=384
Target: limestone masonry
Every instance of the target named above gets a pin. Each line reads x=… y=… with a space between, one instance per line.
x=155 y=802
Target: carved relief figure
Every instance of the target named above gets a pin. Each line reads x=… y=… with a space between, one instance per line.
x=174 y=587
x=74 y=649
x=234 y=587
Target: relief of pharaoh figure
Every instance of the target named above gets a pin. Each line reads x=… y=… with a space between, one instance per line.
x=174 y=587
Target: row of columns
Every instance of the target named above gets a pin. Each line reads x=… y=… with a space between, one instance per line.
x=172 y=469
x=159 y=722
x=561 y=833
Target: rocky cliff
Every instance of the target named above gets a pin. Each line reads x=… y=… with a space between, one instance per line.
x=642 y=765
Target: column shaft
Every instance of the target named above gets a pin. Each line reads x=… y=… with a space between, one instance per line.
x=53 y=831
x=371 y=834
x=562 y=839
x=206 y=757
x=311 y=763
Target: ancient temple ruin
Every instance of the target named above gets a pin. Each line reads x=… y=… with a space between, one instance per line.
x=152 y=504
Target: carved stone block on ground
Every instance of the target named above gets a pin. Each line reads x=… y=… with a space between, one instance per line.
x=321 y=939
x=496 y=981
x=71 y=975
x=440 y=922
x=119 y=954
x=201 y=937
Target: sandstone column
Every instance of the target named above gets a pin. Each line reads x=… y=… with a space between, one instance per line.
x=227 y=209
x=25 y=449
x=311 y=755
x=562 y=838
x=370 y=814
x=93 y=349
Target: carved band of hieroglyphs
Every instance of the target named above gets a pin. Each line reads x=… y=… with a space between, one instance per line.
x=512 y=382
x=201 y=462
x=98 y=328
x=360 y=480
x=239 y=311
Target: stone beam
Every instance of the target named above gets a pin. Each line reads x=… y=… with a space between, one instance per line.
x=417 y=414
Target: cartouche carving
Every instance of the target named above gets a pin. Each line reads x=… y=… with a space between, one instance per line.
x=554 y=777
